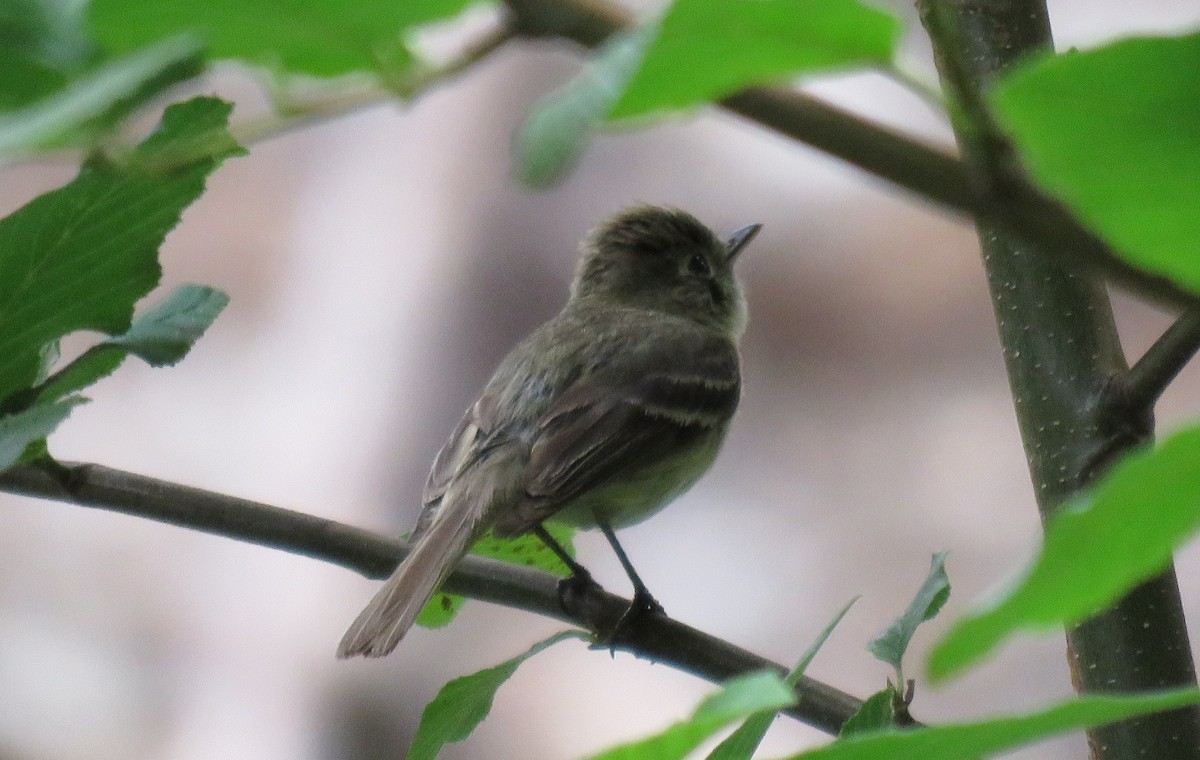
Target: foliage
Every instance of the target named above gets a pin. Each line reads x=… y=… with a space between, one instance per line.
x=743 y=741
x=321 y=38
x=740 y=697
x=878 y=713
x=59 y=112
x=1107 y=541
x=890 y=645
x=700 y=51
x=889 y=706
x=81 y=256
x=462 y=704
x=1100 y=127
x=527 y=550
x=967 y=741
x=703 y=50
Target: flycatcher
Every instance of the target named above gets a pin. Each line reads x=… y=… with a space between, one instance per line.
x=598 y=419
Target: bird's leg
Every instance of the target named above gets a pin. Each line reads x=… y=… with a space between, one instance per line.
x=547 y=539
x=580 y=579
x=643 y=601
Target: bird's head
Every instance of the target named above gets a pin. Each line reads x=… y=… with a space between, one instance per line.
x=665 y=260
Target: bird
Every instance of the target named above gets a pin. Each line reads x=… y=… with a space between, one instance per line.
x=599 y=418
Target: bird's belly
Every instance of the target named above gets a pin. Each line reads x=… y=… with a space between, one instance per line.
x=639 y=493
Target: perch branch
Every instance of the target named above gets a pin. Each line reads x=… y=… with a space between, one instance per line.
x=656 y=638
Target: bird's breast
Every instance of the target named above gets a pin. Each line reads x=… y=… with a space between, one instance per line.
x=644 y=488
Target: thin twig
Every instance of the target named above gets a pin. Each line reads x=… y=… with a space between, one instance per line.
x=296 y=115
x=1146 y=380
x=656 y=637
x=966 y=100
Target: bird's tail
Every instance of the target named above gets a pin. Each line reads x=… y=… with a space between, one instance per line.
x=380 y=626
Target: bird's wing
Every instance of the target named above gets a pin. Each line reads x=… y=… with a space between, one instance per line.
x=641 y=407
x=463 y=445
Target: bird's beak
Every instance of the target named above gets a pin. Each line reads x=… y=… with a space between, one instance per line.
x=739 y=240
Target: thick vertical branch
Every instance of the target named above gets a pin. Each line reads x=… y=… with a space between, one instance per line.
x=1061 y=351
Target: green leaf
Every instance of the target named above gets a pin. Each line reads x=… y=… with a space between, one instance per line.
x=97 y=362
x=47 y=32
x=556 y=132
x=19 y=430
x=96 y=100
x=79 y=257
x=161 y=336
x=707 y=49
x=742 y=742
x=440 y=610
x=970 y=741
x=1115 y=133
x=701 y=50
x=321 y=38
x=197 y=130
x=738 y=698
x=877 y=713
x=167 y=331
x=24 y=80
x=527 y=550
x=462 y=704
x=48 y=356
x=1095 y=549
x=890 y=645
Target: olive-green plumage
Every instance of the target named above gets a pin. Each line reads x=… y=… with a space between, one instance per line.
x=601 y=416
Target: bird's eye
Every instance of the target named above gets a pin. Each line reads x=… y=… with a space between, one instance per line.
x=698 y=265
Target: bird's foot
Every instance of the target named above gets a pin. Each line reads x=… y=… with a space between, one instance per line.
x=642 y=605
x=574 y=588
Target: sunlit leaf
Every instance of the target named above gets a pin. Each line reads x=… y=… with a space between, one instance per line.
x=707 y=49
x=738 y=698
x=1095 y=550
x=1115 y=133
x=971 y=741
x=527 y=550
x=742 y=742
x=462 y=704
x=315 y=37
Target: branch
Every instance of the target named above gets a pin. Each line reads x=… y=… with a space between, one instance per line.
x=295 y=115
x=906 y=162
x=1061 y=351
x=657 y=638
x=1125 y=407
x=1141 y=386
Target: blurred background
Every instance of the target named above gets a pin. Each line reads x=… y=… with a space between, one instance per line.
x=379 y=266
